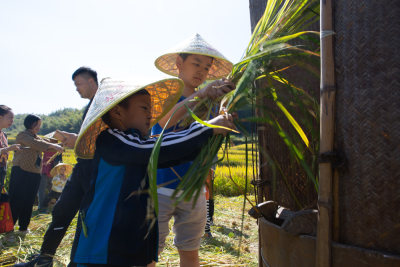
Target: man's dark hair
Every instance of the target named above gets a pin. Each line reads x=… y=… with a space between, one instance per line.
x=4 y=110
x=85 y=71
x=30 y=121
x=125 y=104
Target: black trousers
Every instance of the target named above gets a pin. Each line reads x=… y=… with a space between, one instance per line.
x=50 y=196
x=3 y=173
x=22 y=190
x=67 y=206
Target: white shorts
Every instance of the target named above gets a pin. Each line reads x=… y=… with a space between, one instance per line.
x=189 y=222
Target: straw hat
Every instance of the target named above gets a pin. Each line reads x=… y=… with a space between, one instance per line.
x=220 y=68
x=68 y=169
x=164 y=95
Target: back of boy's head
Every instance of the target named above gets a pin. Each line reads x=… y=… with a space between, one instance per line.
x=87 y=72
x=4 y=110
x=125 y=104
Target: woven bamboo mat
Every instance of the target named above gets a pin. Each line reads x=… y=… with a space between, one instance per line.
x=367 y=60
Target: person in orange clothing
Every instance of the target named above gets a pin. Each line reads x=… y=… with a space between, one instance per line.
x=6 y=120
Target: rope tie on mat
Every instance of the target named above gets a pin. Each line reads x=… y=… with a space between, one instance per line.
x=259 y=182
x=335 y=157
x=328 y=88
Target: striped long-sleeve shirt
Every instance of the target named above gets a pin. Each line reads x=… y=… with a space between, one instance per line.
x=117 y=228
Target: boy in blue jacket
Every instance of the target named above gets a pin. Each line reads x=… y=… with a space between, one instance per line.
x=117 y=214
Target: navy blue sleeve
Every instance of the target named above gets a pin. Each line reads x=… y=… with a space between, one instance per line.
x=117 y=147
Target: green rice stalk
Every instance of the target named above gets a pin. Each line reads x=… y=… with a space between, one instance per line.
x=244 y=200
x=283 y=21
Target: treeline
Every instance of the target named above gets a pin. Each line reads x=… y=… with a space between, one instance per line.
x=68 y=119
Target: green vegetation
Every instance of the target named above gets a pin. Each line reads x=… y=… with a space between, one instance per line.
x=263 y=83
x=230 y=174
x=68 y=119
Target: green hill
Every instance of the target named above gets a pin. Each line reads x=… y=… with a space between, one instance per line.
x=67 y=119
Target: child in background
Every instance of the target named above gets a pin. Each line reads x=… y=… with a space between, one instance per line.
x=49 y=161
x=6 y=120
x=119 y=226
x=60 y=174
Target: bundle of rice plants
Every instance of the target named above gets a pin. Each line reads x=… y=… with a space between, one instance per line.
x=268 y=54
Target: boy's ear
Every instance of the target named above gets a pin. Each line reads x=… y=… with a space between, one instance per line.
x=179 y=62
x=115 y=112
x=91 y=81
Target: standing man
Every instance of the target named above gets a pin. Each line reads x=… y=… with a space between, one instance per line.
x=85 y=80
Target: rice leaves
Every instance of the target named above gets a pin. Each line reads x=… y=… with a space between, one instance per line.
x=268 y=55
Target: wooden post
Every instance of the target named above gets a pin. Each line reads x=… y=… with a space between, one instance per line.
x=324 y=228
x=257 y=8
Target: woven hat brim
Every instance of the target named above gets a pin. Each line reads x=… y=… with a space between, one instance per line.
x=68 y=171
x=164 y=95
x=219 y=69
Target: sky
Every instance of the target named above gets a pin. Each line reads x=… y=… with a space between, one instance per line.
x=43 y=42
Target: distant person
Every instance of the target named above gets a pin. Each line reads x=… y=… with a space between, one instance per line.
x=45 y=181
x=6 y=120
x=60 y=174
x=85 y=80
x=25 y=173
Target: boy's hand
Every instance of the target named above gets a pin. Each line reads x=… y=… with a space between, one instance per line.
x=222 y=120
x=216 y=89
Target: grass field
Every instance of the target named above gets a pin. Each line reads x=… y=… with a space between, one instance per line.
x=221 y=250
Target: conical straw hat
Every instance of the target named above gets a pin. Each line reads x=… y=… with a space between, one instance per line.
x=164 y=95
x=220 y=68
x=68 y=169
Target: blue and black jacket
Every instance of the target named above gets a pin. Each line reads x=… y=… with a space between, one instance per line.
x=117 y=231
x=166 y=177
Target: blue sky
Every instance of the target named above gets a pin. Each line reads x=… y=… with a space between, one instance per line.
x=42 y=42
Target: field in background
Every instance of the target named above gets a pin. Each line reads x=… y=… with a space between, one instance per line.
x=222 y=184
